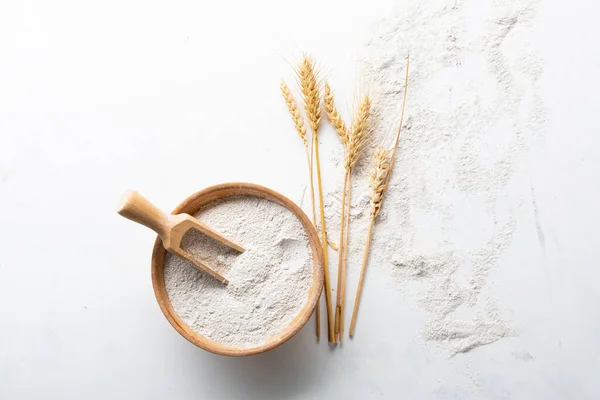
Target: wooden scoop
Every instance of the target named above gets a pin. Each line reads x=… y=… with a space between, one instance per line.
x=170 y=228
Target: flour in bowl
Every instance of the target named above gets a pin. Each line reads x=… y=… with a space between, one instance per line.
x=268 y=283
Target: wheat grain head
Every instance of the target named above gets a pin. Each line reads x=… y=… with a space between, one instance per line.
x=311 y=93
x=359 y=133
x=296 y=118
x=381 y=166
x=334 y=116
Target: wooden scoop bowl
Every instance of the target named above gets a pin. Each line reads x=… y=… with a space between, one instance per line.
x=171 y=228
x=193 y=204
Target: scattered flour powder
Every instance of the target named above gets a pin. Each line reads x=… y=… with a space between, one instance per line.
x=268 y=283
x=474 y=107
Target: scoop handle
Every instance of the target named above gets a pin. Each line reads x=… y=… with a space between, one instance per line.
x=137 y=208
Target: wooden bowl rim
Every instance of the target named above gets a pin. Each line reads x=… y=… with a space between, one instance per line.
x=191 y=205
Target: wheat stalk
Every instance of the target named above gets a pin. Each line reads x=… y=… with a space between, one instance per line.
x=340 y=127
x=354 y=141
x=301 y=129
x=381 y=168
x=380 y=179
x=357 y=138
x=308 y=81
x=338 y=306
x=344 y=264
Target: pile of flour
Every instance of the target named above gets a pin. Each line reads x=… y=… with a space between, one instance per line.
x=473 y=109
x=268 y=283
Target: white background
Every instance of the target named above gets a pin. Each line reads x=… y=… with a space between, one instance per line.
x=171 y=97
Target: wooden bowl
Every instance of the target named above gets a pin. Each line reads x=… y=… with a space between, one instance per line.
x=190 y=206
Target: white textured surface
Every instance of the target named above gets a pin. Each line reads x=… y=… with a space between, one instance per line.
x=170 y=98
x=268 y=283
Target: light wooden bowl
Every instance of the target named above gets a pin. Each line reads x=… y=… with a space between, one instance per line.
x=190 y=206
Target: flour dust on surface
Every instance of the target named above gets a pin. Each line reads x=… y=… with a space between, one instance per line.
x=268 y=283
x=474 y=107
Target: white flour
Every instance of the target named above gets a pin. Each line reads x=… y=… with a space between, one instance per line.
x=268 y=283
x=473 y=108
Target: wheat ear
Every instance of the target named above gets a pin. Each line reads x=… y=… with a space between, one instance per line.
x=309 y=86
x=381 y=165
x=294 y=113
x=334 y=117
x=311 y=94
x=359 y=133
x=380 y=179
